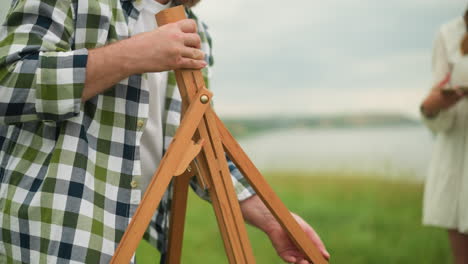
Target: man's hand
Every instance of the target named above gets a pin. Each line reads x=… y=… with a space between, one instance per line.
x=256 y=213
x=172 y=46
x=286 y=248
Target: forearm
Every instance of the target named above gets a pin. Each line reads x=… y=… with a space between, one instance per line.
x=173 y=46
x=107 y=66
x=257 y=214
x=438 y=99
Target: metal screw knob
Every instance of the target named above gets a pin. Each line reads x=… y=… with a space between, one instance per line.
x=204 y=99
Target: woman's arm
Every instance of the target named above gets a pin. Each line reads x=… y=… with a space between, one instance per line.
x=437 y=108
x=438 y=100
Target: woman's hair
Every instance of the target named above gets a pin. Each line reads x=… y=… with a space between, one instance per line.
x=464 y=43
x=187 y=3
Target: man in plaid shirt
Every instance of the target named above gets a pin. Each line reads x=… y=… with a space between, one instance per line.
x=72 y=112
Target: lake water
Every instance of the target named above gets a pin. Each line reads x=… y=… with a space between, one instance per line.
x=394 y=152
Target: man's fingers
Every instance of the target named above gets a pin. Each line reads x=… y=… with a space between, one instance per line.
x=289 y=259
x=318 y=242
x=188 y=26
x=313 y=236
x=192 y=53
x=192 y=40
x=186 y=63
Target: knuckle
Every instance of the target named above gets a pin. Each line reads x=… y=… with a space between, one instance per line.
x=195 y=64
x=177 y=36
x=189 y=64
x=169 y=27
x=202 y=54
x=176 y=51
x=195 y=54
x=178 y=62
x=193 y=25
x=197 y=39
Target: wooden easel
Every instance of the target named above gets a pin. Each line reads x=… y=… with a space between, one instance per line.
x=201 y=124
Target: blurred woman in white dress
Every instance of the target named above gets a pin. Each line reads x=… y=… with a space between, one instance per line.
x=445 y=112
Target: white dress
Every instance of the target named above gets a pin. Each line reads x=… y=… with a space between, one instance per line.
x=446 y=189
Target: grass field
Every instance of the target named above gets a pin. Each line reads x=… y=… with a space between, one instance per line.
x=360 y=219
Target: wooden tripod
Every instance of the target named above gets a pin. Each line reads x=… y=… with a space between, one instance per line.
x=201 y=124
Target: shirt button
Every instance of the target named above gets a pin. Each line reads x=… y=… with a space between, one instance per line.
x=140 y=123
x=134 y=184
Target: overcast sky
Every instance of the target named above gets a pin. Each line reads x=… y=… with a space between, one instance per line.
x=329 y=56
x=333 y=56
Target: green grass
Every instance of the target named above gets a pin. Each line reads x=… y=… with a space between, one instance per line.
x=360 y=219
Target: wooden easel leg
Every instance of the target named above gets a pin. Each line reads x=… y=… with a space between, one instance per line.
x=177 y=219
x=137 y=226
x=225 y=203
x=161 y=179
x=268 y=196
x=222 y=193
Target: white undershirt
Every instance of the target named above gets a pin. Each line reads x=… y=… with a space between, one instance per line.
x=151 y=144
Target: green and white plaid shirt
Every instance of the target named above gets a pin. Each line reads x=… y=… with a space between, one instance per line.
x=66 y=167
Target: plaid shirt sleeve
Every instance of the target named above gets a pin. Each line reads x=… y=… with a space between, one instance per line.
x=41 y=77
x=240 y=183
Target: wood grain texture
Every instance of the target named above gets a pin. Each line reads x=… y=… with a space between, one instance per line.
x=177 y=224
x=213 y=161
x=160 y=182
x=192 y=151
